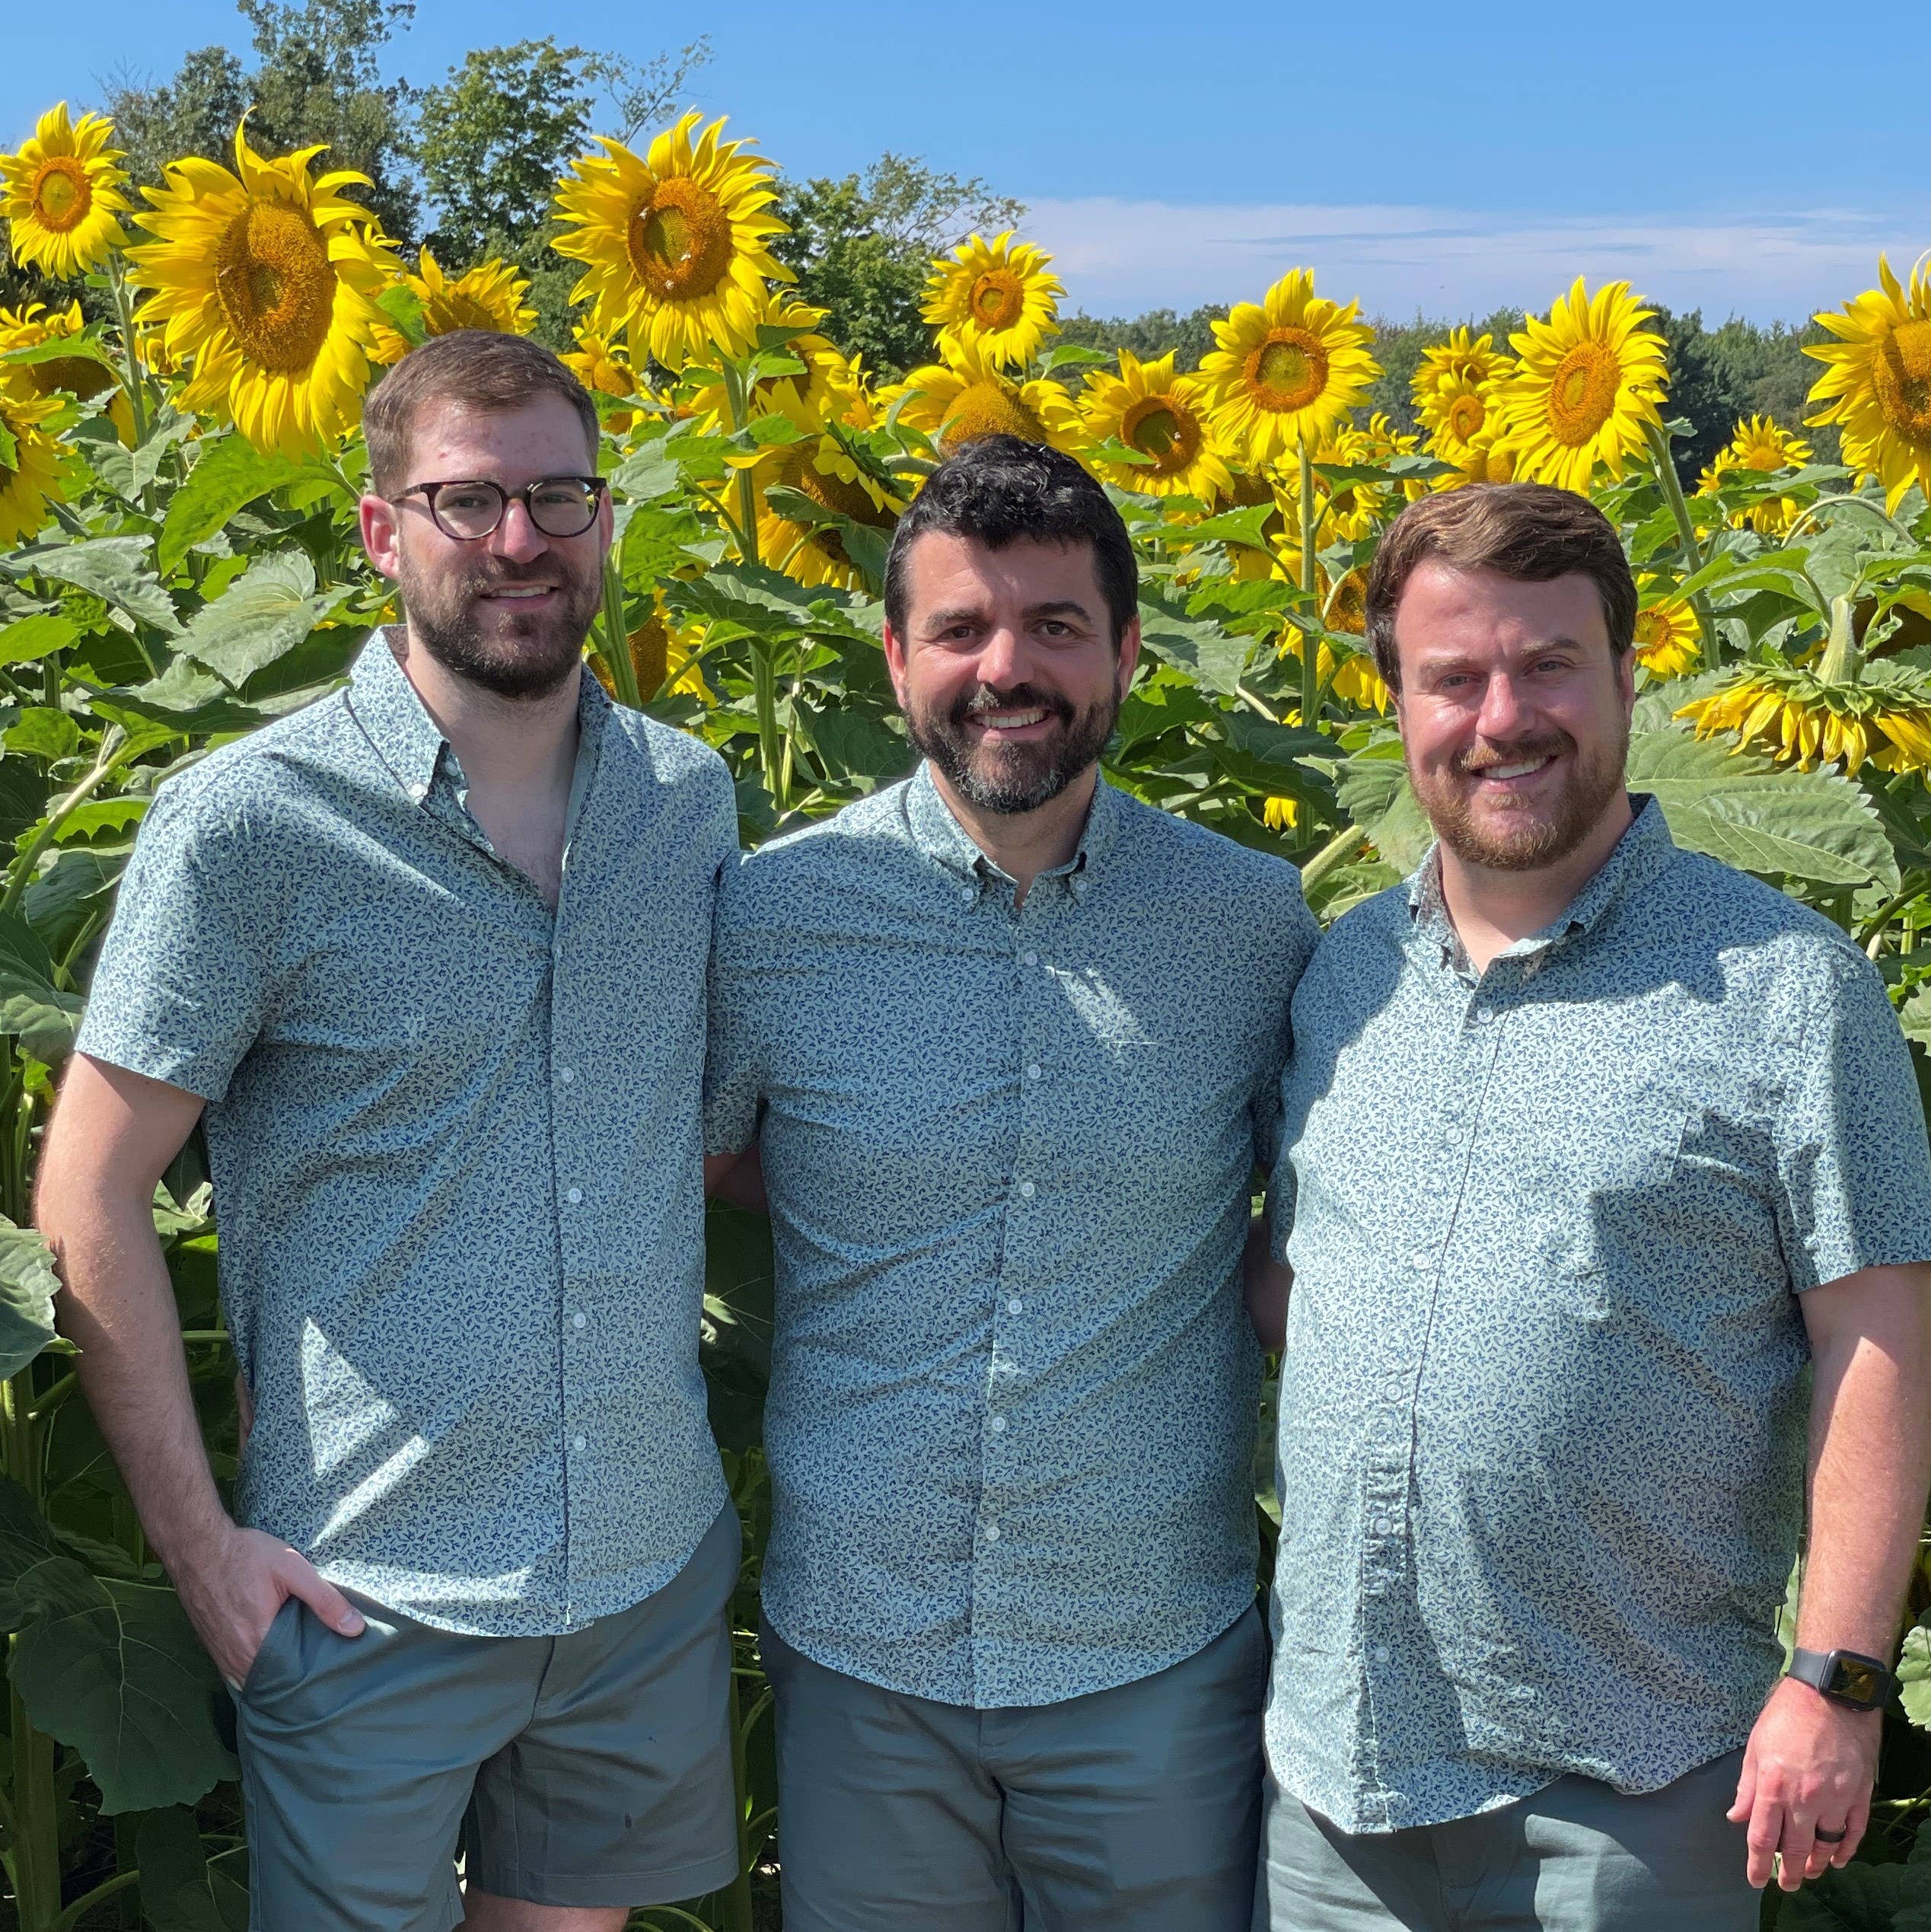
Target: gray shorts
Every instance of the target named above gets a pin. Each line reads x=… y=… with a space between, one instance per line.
x=1134 y=1810
x=593 y=1769
x=1578 y=1856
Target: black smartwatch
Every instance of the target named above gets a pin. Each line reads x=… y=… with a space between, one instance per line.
x=1846 y=1677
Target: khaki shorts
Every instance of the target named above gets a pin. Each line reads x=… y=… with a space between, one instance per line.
x=588 y=1769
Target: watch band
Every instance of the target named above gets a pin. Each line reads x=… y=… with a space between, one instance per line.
x=1846 y=1677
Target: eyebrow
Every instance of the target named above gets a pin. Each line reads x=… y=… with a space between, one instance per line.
x=1434 y=659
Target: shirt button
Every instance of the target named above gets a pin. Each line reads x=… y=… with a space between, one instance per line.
x=965 y=892
x=578 y=1442
x=1015 y=1306
x=992 y=1533
x=1421 y=1257
x=574 y=1196
x=1382 y=1526
x=1029 y=959
x=568 y=1076
x=997 y=1425
x=1382 y=1653
x=419 y=792
x=1032 y=1072
x=1079 y=885
x=577 y=1321
x=1027 y=1188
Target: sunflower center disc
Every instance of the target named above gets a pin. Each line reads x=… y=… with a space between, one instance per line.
x=1901 y=375
x=996 y=299
x=1582 y=392
x=1156 y=428
x=1288 y=372
x=62 y=193
x=276 y=286
x=456 y=311
x=1466 y=416
x=989 y=409
x=680 y=245
x=75 y=374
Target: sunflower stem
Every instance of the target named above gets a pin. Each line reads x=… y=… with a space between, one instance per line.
x=1310 y=649
x=615 y=643
x=1842 y=660
x=734 y=400
x=1340 y=848
x=137 y=399
x=1672 y=486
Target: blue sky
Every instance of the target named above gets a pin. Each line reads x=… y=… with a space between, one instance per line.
x=1746 y=158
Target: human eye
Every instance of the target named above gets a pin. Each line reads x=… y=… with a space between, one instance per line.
x=560 y=492
x=466 y=497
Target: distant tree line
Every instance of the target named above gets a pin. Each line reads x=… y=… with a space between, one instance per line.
x=467 y=165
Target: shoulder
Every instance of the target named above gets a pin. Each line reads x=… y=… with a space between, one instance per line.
x=674 y=758
x=1774 y=951
x=807 y=877
x=1191 y=863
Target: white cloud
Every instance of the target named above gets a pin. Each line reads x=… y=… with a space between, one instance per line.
x=1121 y=257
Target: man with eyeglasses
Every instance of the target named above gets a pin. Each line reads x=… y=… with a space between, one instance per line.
x=428 y=957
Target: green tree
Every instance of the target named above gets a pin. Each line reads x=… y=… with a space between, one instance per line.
x=861 y=247
x=493 y=137
x=316 y=79
x=1152 y=334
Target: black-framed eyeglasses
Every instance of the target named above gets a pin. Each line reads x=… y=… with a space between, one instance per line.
x=471 y=509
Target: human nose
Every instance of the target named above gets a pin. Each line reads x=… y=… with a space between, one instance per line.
x=1502 y=714
x=1001 y=658
x=517 y=537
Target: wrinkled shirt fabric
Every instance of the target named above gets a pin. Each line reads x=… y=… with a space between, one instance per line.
x=455 y=1144
x=1009 y=1151
x=1543 y=1402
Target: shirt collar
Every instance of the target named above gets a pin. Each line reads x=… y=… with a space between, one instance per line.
x=411 y=743
x=1643 y=851
x=942 y=838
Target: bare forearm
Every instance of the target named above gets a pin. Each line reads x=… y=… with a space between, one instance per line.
x=118 y=1306
x=1870 y=1462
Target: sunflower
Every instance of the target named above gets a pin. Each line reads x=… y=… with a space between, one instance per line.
x=1287 y=369
x=1800 y=717
x=965 y=396
x=675 y=246
x=600 y=364
x=1280 y=814
x=62 y=193
x=1491 y=460
x=1150 y=409
x=269 y=280
x=1350 y=674
x=1459 y=416
x=821 y=467
x=663 y=657
x=1458 y=363
x=489 y=297
x=996 y=296
x=1878 y=387
x=1590 y=377
x=1758 y=445
x=30 y=481
x=1669 y=643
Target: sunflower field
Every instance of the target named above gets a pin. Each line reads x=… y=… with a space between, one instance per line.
x=179 y=564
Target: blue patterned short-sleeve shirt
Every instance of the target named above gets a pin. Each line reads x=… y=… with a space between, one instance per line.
x=1009 y=1153
x=1543 y=1406
x=455 y=1142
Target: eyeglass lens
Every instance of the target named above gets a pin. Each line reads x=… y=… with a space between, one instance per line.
x=558 y=506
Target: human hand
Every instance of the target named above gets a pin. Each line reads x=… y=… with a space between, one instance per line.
x=232 y=1584
x=1808 y=1772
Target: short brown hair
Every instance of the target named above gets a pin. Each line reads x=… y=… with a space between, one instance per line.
x=1531 y=532
x=481 y=369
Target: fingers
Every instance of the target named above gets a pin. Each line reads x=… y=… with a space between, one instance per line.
x=1766 y=1831
x=302 y=1580
x=1739 y=1812
x=1797 y=1843
x=1854 y=1828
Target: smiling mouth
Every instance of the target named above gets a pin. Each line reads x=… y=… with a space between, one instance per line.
x=1008 y=721
x=1506 y=774
x=517 y=592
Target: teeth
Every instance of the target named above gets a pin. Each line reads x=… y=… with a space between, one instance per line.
x=1514 y=771
x=1008 y=721
x=536 y=590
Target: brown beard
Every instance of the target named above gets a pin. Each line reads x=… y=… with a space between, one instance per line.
x=536 y=653
x=1024 y=777
x=1543 y=835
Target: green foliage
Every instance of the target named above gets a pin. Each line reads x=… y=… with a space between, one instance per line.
x=862 y=248
x=316 y=79
x=1190 y=336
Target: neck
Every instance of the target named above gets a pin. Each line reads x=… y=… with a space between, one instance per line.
x=504 y=744
x=1490 y=909
x=1023 y=844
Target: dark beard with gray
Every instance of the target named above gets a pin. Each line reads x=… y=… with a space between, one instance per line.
x=1013 y=778
x=526 y=658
